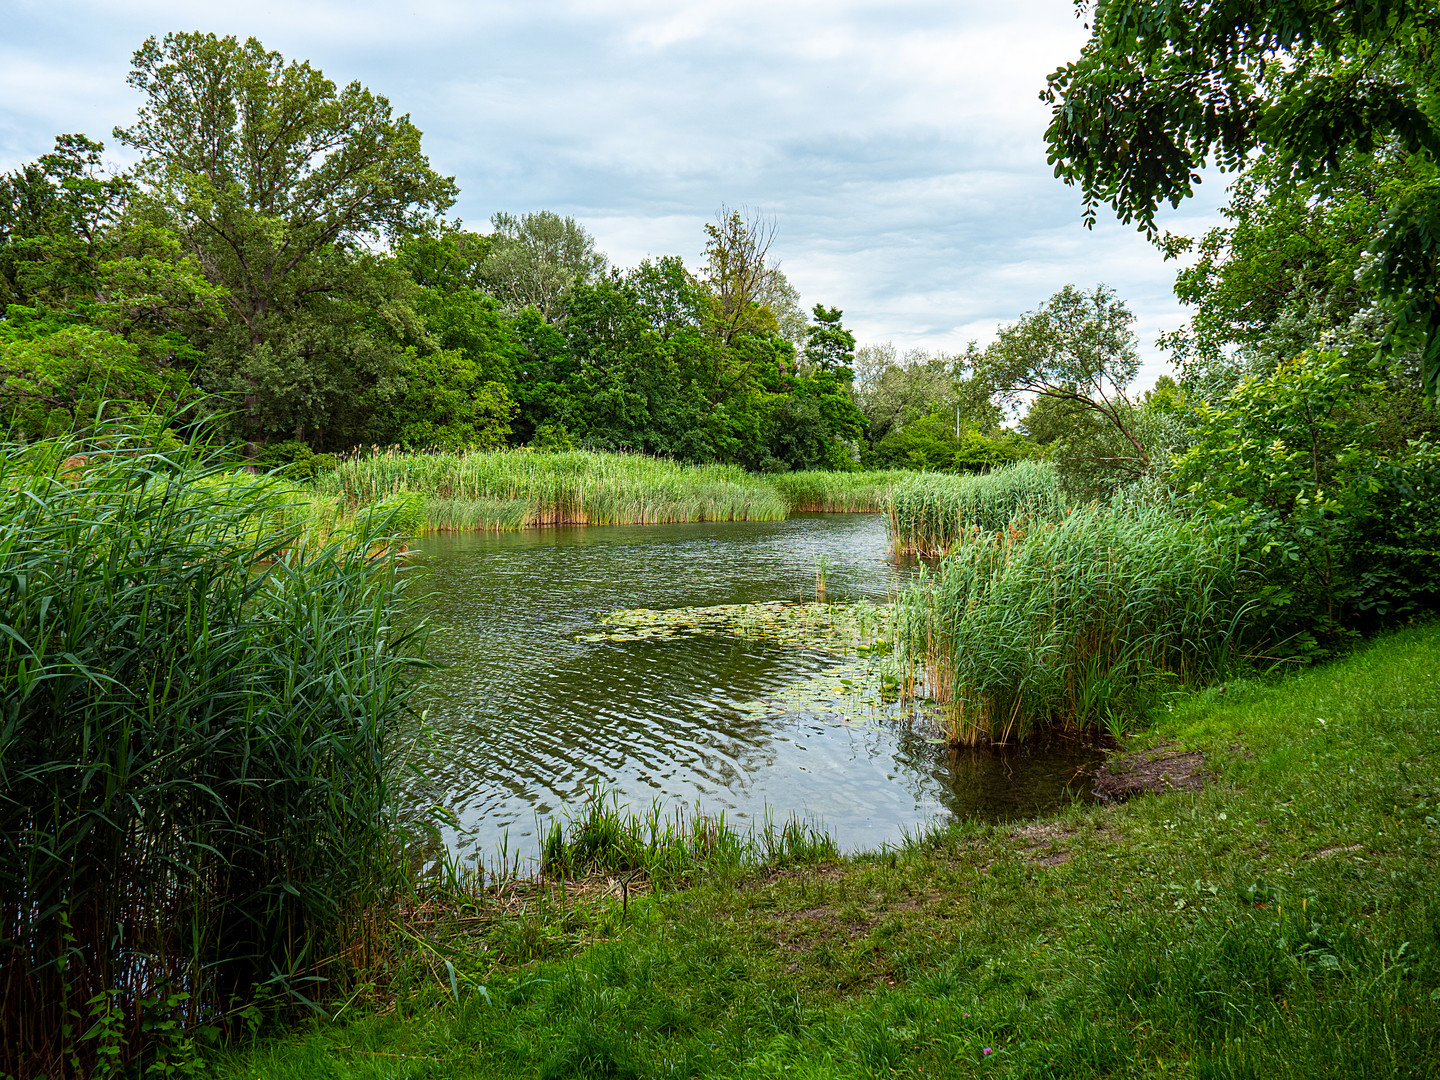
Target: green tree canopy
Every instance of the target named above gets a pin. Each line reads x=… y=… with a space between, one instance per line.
x=276 y=181
x=536 y=259
x=1165 y=87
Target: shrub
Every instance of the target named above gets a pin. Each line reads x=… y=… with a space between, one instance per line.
x=1339 y=504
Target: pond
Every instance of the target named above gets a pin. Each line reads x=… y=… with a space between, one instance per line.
x=532 y=707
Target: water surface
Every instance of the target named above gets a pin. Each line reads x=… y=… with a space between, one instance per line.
x=528 y=717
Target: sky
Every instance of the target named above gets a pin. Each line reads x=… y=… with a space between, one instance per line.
x=898 y=147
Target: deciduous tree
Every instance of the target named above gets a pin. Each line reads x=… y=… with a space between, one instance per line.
x=277 y=181
x=1164 y=87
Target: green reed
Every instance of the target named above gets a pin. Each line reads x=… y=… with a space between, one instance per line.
x=818 y=492
x=675 y=847
x=931 y=513
x=1064 y=623
x=513 y=489
x=193 y=751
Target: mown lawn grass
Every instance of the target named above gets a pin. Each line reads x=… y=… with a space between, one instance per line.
x=1284 y=922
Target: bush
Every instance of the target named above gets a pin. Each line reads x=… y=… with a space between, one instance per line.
x=1339 y=505
x=294 y=460
x=193 y=804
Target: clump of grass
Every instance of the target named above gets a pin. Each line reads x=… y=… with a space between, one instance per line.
x=668 y=849
x=194 y=806
x=933 y=512
x=819 y=492
x=1062 y=623
x=513 y=489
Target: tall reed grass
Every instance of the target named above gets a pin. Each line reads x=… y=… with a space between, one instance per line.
x=1063 y=623
x=500 y=490
x=819 y=492
x=931 y=513
x=193 y=752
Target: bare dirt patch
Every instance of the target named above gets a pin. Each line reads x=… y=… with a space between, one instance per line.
x=799 y=931
x=1160 y=769
x=1041 y=843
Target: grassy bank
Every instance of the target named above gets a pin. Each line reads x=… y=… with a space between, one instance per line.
x=1283 y=922
x=481 y=491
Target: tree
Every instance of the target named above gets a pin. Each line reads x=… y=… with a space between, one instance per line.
x=828 y=345
x=1284 y=274
x=75 y=378
x=782 y=300
x=536 y=259
x=1165 y=86
x=1079 y=348
x=738 y=274
x=277 y=182
x=55 y=215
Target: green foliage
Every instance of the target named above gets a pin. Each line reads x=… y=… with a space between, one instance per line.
x=194 y=809
x=76 y=378
x=828 y=345
x=931 y=514
x=1078 y=348
x=929 y=443
x=54 y=219
x=1066 y=623
x=277 y=180
x=553 y=438
x=1162 y=88
x=294 y=460
x=1284 y=275
x=447 y=407
x=534 y=260
x=670 y=850
x=1341 y=509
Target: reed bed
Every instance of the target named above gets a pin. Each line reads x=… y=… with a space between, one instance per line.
x=819 y=492
x=513 y=489
x=1064 y=624
x=931 y=513
x=193 y=753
